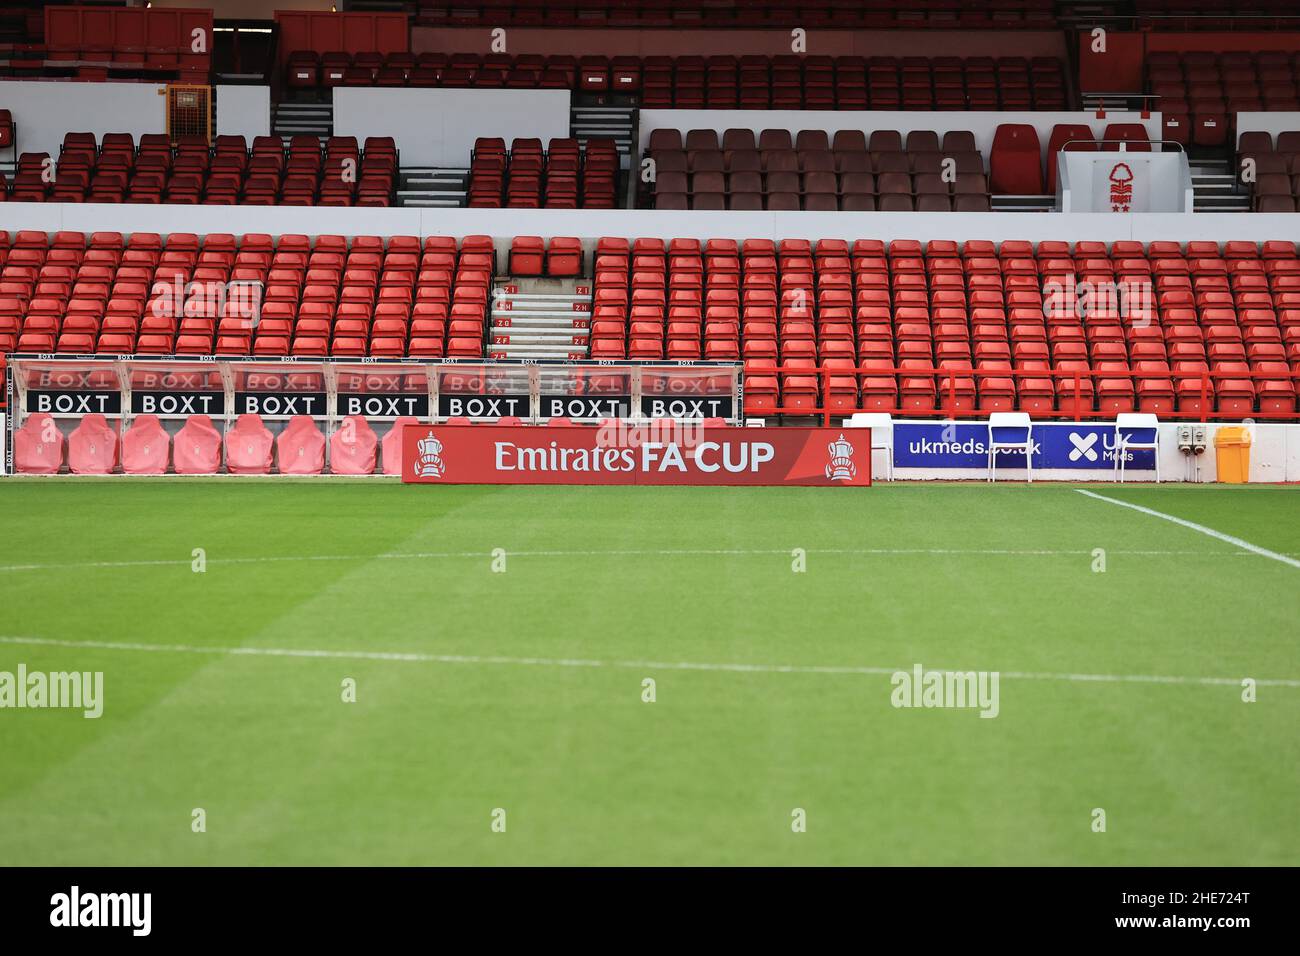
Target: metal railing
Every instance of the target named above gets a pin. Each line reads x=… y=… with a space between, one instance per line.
x=1080 y=400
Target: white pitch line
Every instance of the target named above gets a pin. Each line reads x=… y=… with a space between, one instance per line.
x=675 y=552
x=421 y=658
x=1219 y=535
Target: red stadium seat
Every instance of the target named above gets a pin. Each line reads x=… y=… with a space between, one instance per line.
x=1072 y=136
x=527 y=256
x=564 y=257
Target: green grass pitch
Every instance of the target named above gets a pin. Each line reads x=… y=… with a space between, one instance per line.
x=522 y=689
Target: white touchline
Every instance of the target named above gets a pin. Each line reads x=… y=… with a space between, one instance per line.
x=675 y=552
x=1234 y=541
x=422 y=658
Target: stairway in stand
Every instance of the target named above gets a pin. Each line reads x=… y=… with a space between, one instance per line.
x=535 y=318
x=303 y=119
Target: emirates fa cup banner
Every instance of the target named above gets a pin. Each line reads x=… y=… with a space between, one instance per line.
x=620 y=453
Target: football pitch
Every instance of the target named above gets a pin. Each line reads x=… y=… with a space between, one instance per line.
x=361 y=672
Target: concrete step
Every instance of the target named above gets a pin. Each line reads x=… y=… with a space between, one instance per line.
x=1234 y=204
x=558 y=316
x=541 y=296
x=1023 y=203
x=431 y=193
x=512 y=337
x=310 y=119
x=512 y=288
x=537 y=352
x=432 y=186
x=431 y=176
x=424 y=203
x=561 y=325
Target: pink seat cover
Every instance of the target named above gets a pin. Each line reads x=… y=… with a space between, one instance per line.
x=146 y=447
x=393 y=446
x=300 y=448
x=248 y=447
x=196 y=449
x=38 y=446
x=92 y=447
x=352 y=447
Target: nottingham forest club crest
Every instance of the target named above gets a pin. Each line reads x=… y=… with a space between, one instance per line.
x=841 y=466
x=429 y=464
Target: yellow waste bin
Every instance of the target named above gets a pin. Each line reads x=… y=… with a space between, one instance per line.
x=1232 y=454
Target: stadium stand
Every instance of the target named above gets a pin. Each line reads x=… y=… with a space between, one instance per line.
x=101 y=293
x=916 y=328
x=931 y=14
x=103 y=42
x=191 y=171
x=1215 y=14
x=1201 y=92
x=715 y=82
x=813 y=170
x=564 y=176
x=1273 y=173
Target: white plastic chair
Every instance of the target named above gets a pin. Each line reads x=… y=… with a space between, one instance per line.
x=1011 y=431
x=882 y=435
x=1137 y=431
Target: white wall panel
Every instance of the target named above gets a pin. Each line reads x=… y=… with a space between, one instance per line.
x=1267 y=123
x=633 y=223
x=435 y=127
x=45 y=111
x=244 y=111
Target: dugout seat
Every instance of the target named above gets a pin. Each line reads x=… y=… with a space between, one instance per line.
x=196 y=449
x=248 y=447
x=38 y=446
x=352 y=447
x=146 y=447
x=92 y=447
x=300 y=448
x=392 y=446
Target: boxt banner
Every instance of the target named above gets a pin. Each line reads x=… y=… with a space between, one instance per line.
x=620 y=453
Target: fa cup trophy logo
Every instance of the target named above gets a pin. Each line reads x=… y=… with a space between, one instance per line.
x=841 y=467
x=429 y=464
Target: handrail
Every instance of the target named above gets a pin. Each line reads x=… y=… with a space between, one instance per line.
x=1151 y=142
x=1075 y=376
